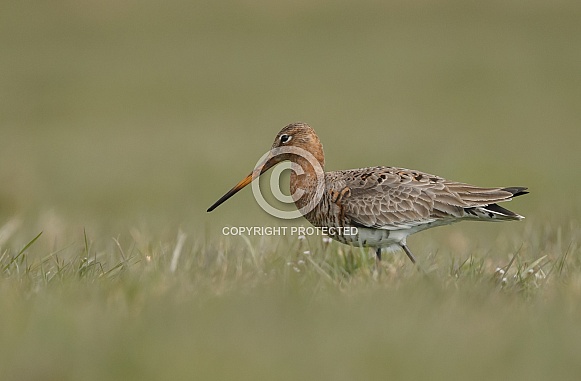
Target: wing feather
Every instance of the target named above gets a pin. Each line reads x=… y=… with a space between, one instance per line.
x=392 y=198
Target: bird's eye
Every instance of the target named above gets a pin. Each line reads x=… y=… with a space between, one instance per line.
x=285 y=138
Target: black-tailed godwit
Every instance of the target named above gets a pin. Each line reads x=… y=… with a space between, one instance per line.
x=385 y=204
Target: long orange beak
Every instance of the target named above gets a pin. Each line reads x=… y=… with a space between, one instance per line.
x=259 y=170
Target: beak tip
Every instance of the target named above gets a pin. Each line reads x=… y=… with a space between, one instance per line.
x=231 y=192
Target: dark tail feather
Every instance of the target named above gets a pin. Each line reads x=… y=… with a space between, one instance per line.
x=516 y=191
x=496 y=212
x=501 y=212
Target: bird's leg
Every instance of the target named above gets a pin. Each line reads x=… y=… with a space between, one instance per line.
x=409 y=253
x=377 y=263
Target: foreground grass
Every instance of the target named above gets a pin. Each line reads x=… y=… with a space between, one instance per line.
x=288 y=309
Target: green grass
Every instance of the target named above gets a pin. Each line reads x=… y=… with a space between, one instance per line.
x=248 y=309
x=121 y=122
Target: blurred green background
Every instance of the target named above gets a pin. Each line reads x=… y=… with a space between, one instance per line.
x=128 y=119
x=143 y=110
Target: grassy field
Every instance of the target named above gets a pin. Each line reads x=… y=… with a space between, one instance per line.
x=121 y=122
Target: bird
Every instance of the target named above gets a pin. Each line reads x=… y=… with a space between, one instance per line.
x=381 y=205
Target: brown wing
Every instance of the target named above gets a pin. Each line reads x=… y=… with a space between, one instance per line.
x=396 y=198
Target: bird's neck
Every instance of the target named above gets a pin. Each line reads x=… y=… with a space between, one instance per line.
x=306 y=181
